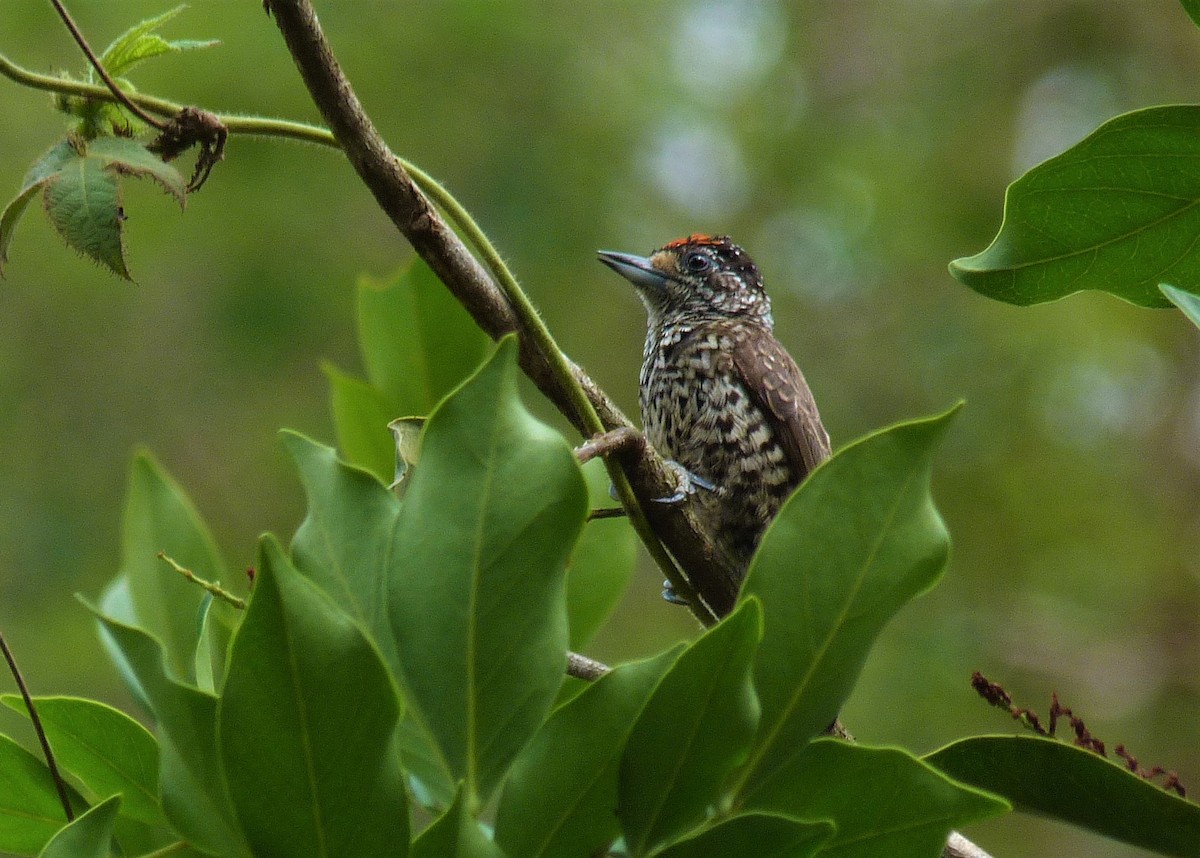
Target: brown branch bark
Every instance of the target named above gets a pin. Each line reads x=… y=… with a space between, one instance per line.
x=714 y=577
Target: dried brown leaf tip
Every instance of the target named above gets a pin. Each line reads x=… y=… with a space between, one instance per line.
x=996 y=695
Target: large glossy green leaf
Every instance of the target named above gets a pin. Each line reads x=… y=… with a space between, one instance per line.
x=858 y=540
x=345 y=545
x=601 y=564
x=1188 y=302
x=455 y=834
x=160 y=517
x=89 y=836
x=104 y=748
x=193 y=791
x=1074 y=785
x=417 y=341
x=1118 y=212
x=477 y=588
x=559 y=798
x=763 y=835
x=346 y=541
x=884 y=801
x=30 y=810
x=696 y=728
x=305 y=726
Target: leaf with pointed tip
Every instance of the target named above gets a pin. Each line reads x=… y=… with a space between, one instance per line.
x=140 y=42
x=192 y=786
x=858 y=540
x=1188 y=302
x=417 y=341
x=30 y=810
x=455 y=834
x=305 y=726
x=696 y=728
x=89 y=836
x=106 y=749
x=477 y=584
x=883 y=801
x=1076 y=786
x=83 y=197
x=559 y=796
x=218 y=619
x=763 y=835
x=359 y=412
x=345 y=546
x=159 y=516
x=45 y=167
x=1118 y=212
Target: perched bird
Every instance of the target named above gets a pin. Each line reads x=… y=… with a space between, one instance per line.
x=719 y=395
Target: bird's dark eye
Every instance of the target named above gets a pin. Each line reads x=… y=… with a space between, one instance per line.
x=697 y=263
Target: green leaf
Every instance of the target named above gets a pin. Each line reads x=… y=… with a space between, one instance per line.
x=1076 y=786
x=83 y=198
x=859 y=539
x=192 y=786
x=601 y=564
x=305 y=726
x=89 y=836
x=559 y=797
x=1188 y=302
x=140 y=43
x=696 y=728
x=345 y=546
x=360 y=414
x=763 y=835
x=160 y=517
x=477 y=588
x=106 y=749
x=417 y=341
x=1118 y=212
x=125 y=157
x=218 y=619
x=30 y=811
x=35 y=179
x=455 y=834
x=884 y=801
x=346 y=541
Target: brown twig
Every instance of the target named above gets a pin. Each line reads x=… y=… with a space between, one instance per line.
x=59 y=784
x=120 y=96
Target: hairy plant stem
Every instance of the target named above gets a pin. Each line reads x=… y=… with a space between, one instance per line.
x=59 y=784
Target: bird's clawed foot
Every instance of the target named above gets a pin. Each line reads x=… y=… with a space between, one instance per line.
x=688 y=484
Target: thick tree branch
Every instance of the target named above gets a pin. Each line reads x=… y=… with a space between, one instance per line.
x=705 y=573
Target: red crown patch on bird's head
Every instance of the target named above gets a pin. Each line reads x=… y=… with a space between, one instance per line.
x=697 y=238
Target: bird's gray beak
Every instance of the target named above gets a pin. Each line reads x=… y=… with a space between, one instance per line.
x=636 y=269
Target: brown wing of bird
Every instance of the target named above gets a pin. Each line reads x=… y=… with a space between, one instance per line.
x=778 y=388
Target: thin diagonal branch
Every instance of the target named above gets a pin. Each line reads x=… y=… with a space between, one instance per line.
x=120 y=96
x=59 y=784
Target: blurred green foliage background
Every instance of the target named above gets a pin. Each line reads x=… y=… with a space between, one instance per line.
x=852 y=148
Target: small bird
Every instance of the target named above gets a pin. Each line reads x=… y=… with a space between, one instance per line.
x=719 y=395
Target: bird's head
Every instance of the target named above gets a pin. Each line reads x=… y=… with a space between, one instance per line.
x=697 y=278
